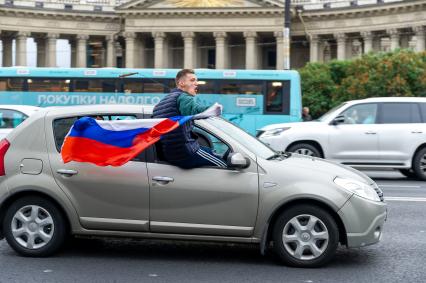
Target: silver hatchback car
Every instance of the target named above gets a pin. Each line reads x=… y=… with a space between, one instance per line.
x=302 y=207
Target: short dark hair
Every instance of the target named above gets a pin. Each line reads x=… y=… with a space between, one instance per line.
x=183 y=73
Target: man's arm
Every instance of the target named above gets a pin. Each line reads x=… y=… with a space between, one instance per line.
x=188 y=106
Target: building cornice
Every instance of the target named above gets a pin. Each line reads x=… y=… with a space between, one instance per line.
x=202 y=11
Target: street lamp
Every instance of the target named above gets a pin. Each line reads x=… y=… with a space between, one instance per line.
x=286 y=33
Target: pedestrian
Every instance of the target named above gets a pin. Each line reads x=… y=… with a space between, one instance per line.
x=305 y=114
x=179 y=146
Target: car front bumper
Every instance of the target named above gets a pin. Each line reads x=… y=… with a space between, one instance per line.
x=363 y=220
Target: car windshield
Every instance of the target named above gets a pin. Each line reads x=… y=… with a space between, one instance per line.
x=330 y=112
x=247 y=140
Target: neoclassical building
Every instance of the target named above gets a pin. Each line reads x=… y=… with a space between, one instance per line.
x=235 y=34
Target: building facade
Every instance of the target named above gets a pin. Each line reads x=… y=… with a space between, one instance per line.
x=234 y=34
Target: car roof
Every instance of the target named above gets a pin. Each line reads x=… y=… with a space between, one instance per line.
x=390 y=99
x=99 y=108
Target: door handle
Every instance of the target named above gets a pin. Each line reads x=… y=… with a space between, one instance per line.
x=370 y=133
x=163 y=179
x=67 y=172
x=416 y=132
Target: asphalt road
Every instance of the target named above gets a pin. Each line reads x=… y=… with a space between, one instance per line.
x=399 y=257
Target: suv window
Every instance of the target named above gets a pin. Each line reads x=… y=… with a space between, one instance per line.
x=423 y=110
x=397 y=113
x=62 y=126
x=361 y=114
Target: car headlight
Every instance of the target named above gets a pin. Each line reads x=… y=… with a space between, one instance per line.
x=358 y=188
x=273 y=132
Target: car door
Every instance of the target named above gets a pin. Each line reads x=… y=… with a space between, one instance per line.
x=355 y=141
x=107 y=198
x=206 y=200
x=401 y=131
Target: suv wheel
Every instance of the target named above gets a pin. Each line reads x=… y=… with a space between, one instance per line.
x=419 y=164
x=306 y=149
x=408 y=173
x=305 y=236
x=34 y=226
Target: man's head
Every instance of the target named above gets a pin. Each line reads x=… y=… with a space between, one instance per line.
x=305 y=110
x=187 y=81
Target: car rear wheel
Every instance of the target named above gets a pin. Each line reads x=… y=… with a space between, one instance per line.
x=419 y=164
x=34 y=226
x=305 y=236
x=306 y=149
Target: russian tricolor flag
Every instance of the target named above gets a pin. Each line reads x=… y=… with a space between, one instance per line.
x=114 y=142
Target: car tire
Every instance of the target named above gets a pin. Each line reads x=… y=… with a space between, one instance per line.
x=306 y=149
x=408 y=173
x=34 y=226
x=419 y=164
x=305 y=236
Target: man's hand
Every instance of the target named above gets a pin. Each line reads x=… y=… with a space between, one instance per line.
x=213 y=111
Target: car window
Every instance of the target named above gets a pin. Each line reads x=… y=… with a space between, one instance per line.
x=397 y=113
x=207 y=139
x=365 y=113
x=423 y=111
x=10 y=119
x=62 y=126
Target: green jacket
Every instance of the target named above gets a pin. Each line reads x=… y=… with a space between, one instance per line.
x=187 y=105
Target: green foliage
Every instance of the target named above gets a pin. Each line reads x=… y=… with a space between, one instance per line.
x=399 y=73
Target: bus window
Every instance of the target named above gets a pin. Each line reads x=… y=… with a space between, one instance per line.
x=95 y=85
x=48 y=85
x=277 y=97
x=206 y=86
x=153 y=87
x=10 y=84
x=240 y=87
x=132 y=86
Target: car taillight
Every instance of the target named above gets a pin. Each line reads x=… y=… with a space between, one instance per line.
x=4 y=146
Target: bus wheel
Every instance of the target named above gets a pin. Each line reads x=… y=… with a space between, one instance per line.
x=305 y=149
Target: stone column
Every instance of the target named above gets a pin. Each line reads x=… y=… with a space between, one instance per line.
x=73 y=48
x=368 y=41
x=110 y=51
x=7 y=51
x=21 y=48
x=81 y=51
x=341 y=46
x=41 y=51
x=251 y=60
x=220 y=37
x=51 y=49
x=313 y=48
x=394 y=38
x=188 y=49
x=159 y=37
x=279 y=39
x=420 y=38
x=130 y=49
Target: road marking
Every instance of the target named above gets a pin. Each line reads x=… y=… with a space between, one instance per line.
x=398 y=186
x=421 y=199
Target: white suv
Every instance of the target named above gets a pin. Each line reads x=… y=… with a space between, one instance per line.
x=388 y=132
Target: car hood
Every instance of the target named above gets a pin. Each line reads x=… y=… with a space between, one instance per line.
x=309 y=163
x=292 y=125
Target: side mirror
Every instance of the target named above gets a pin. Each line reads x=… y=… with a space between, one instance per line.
x=339 y=120
x=237 y=160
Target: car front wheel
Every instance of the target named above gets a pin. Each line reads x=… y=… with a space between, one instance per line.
x=306 y=149
x=305 y=236
x=34 y=226
x=419 y=164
